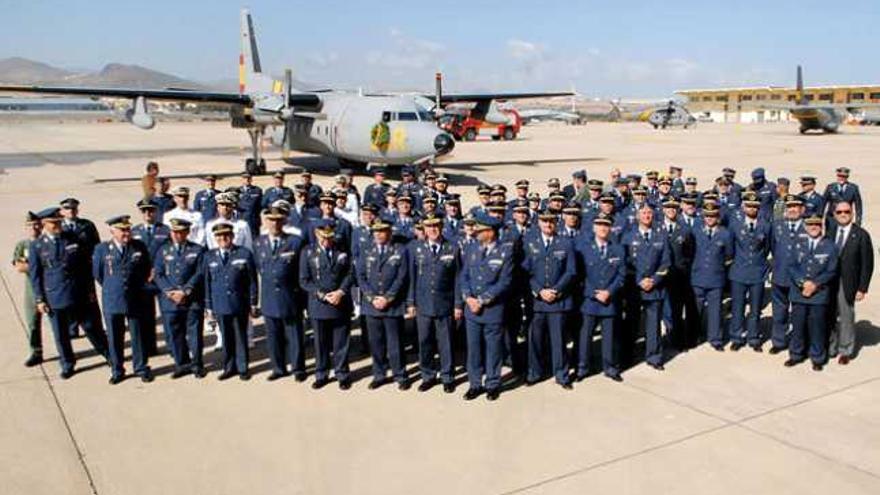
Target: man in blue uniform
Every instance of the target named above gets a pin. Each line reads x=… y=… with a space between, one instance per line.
x=250 y=199
x=403 y=222
x=178 y=274
x=679 y=295
x=484 y=282
x=327 y=275
x=814 y=203
x=277 y=191
x=55 y=263
x=231 y=296
x=812 y=270
x=648 y=263
x=843 y=190
x=550 y=268
x=787 y=234
x=375 y=193
x=313 y=191
x=153 y=235
x=341 y=229
x=277 y=257
x=433 y=272
x=88 y=314
x=383 y=281
x=604 y=265
x=121 y=266
x=752 y=241
x=713 y=253
x=728 y=202
x=204 y=201
x=453 y=223
x=766 y=192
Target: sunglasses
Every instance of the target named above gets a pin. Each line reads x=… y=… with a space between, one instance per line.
x=842 y=212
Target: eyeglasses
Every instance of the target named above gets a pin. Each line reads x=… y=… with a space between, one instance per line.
x=843 y=212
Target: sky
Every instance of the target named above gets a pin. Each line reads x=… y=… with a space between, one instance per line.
x=602 y=49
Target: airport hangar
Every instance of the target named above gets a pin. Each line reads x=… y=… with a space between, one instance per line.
x=742 y=105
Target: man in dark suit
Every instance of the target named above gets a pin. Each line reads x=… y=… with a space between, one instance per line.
x=856 y=266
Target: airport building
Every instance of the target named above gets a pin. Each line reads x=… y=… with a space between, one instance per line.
x=744 y=105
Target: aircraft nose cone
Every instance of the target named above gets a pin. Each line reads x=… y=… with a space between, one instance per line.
x=443 y=143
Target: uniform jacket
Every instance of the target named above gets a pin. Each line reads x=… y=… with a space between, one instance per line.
x=205 y=202
x=836 y=192
x=279 y=275
x=384 y=275
x=818 y=266
x=122 y=274
x=487 y=277
x=272 y=194
x=751 y=251
x=231 y=287
x=154 y=241
x=648 y=259
x=320 y=274
x=712 y=257
x=600 y=273
x=551 y=267
x=433 y=278
x=783 y=248
x=55 y=270
x=181 y=270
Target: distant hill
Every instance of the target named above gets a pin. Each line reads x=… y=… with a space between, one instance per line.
x=18 y=70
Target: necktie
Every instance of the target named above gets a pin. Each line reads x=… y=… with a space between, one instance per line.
x=546 y=243
x=791 y=227
x=812 y=247
x=647 y=236
x=275 y=245
x=669 y=227
x=751 y=227
x=841 y=235
x=224 y=255
x=179 y=249
x=711 y=232
x=604 y=250
x=149 y=230
x=435 y=248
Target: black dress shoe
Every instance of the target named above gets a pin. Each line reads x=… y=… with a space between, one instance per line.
x=116 y=379
x=404 y=385
x=226 y=375
x=376 y=383
x=300 y=376
x=427 y=385
x=178 y=373
x=566 y=386
x=718 y=347
x=448 y=388
x=244 y=376
x=758 y=348
x=776 y=350
x=344 y=384
x=274 y=376
x=817 y=366
x=320 y=383
x=66 y=374
x=735 y=346
x=34 y=360
x=658 y=367
x=147 y=376
x=200 y=372
x=793 y=362
x=580 y=378
x=472 y=393
x=615 y=376
x=492 y=394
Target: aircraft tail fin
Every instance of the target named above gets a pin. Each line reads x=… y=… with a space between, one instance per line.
x=801 y=99
x=250 y=70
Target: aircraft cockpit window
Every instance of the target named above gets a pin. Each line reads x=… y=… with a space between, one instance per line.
x=426 y=116
x=386 y=117
x=407 y=116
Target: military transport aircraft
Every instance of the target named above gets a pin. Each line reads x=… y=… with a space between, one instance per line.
x=824 y=117
x=355 y=128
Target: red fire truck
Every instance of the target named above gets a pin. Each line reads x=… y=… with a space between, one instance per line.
x=499 y=124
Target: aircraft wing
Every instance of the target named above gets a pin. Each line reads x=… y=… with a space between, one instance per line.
x=479 y=97
x=173 y=94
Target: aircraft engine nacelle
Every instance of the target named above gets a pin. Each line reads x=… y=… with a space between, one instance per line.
x=139 y=116
x=496 y=116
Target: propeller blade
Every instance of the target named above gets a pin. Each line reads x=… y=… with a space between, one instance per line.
x=438 y=94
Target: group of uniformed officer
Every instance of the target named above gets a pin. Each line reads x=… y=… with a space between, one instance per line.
x=523 y=278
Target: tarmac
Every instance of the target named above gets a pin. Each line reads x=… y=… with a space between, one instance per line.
x=712 y=423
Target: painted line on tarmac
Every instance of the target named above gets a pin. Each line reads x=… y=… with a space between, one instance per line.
x=67 y=427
